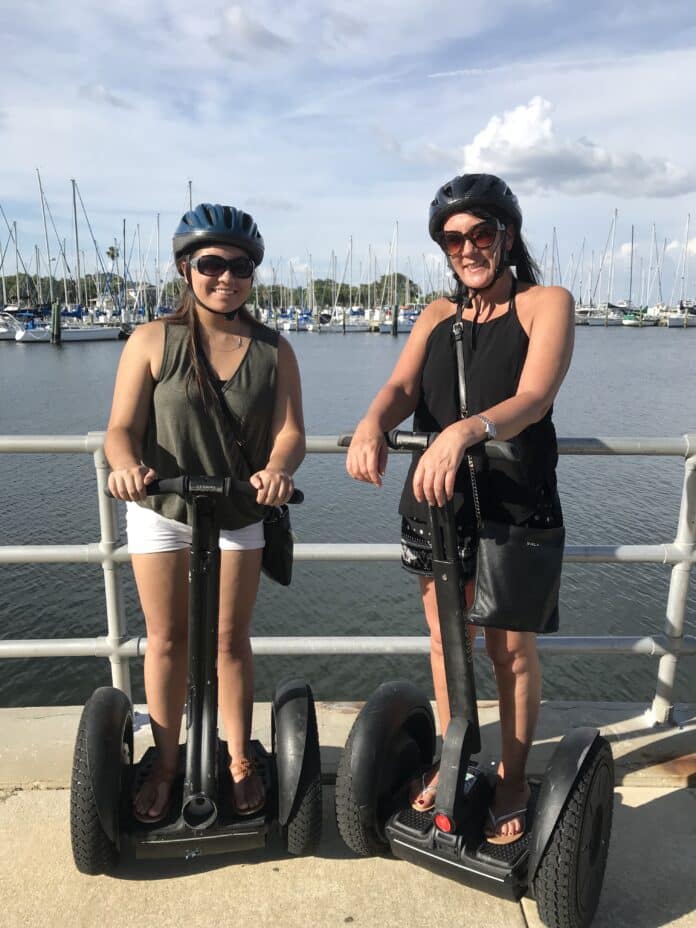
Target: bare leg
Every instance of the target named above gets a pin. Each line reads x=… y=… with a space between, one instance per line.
x=518 y=676
x=239 y=581
x=420 y=797
x=162 y=581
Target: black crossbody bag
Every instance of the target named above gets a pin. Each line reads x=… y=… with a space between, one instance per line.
x=518 y=568
x=278 y=550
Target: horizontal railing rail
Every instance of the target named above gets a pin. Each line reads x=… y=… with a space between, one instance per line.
x=119 y=649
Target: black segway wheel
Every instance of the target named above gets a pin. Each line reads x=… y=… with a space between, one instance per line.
x=570 y=874
x=294 y=720
x=101 y=766
x=302 y=833
x=391 y=741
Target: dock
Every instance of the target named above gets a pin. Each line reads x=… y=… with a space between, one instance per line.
x=650 y=879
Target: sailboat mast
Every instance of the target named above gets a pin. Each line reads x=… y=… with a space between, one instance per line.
x=77 y=246
x=39 y=290
x=14 y=225
x=350 y=277
x=396 y=268
x=125 y=285
x=630 y=272
x=686 y=252
x=611 y=261
x=48 y=247
x=65 y=274
x=158 y=289
x=2 y=273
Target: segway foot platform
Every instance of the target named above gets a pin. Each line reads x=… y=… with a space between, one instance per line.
x=465 y=855
x=172 y=837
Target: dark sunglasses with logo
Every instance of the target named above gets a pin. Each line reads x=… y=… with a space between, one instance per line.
x=481 y=236
x=215 y=265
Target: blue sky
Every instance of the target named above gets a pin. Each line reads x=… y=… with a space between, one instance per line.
x=336 y=120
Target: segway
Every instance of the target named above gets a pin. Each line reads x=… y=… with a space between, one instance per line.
x=561 y=857
x=202 y=819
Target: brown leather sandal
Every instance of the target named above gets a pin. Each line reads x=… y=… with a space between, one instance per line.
x=241 y=771
x=155 y=781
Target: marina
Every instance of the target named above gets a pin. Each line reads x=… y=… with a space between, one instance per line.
x=338 y=169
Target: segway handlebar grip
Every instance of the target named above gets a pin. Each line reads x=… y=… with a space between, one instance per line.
x=419 y=441
x=213 y=486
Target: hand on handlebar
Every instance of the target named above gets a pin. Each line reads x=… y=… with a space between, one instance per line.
x=367 y=455
x=129 y=483
x=274 y=487
x=433 y=479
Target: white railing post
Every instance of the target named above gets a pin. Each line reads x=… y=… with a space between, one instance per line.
x=662 y=709
x=109 y=540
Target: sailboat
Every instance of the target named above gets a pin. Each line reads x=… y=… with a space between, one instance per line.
x=679 y=317
x=607 y=314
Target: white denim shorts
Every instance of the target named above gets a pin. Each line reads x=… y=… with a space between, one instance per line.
x=149 y=533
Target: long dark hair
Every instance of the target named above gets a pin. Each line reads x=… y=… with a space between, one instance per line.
x=199 y=377
x=526 y=268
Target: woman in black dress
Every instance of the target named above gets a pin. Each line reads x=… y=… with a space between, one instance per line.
x=518 y=342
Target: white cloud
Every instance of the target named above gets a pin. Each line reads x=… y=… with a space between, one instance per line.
x=244 y=36
x=676 y=247
x=522 y=146
x=98 y=93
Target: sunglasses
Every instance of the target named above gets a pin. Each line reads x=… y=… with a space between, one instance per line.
x=214 y=266
x=481 y=236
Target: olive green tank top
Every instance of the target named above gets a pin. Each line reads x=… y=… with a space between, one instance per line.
x=182 y=437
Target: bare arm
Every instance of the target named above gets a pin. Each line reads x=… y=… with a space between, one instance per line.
x=551 y=336
x=395 y=401
x=274 y=481
x=129 y=412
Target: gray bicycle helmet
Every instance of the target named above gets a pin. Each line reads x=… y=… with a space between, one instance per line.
x=211 y=223
x=468 y=192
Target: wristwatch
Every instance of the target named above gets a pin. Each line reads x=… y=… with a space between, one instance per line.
x=491 y=430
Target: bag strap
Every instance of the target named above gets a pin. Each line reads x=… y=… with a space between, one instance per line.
x=228 y=419
x=458 y=333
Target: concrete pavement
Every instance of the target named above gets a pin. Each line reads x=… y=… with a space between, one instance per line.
x=649 y=881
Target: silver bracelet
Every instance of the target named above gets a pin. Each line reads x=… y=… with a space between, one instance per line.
x=489 y=425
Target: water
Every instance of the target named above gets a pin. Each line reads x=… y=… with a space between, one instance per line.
x=622 y=383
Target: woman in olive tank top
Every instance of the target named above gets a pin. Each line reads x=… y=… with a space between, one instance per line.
x=518 y=340
x=167 y=419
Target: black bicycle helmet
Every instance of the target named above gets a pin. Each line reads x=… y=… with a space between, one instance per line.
x=468 y=192
x=210 y=224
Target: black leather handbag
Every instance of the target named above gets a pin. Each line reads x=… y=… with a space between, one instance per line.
x=276 y=561
x=518 y=567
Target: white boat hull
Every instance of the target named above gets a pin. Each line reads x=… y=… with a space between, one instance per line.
x=604 y=320
x=88 y=333
x=681 y=321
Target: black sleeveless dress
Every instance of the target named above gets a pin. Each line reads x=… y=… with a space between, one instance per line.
x=517 y=493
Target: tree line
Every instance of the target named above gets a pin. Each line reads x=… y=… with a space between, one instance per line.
x=321 y=293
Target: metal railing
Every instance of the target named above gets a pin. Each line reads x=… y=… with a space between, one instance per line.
x=111 y=554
